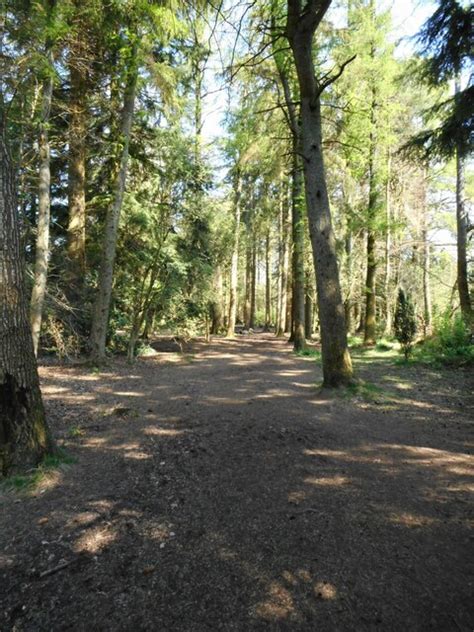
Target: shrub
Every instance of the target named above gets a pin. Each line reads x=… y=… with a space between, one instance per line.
x=405 y=323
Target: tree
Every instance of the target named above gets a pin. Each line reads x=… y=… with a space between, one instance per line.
x=405 y=322
x=446 y=42
x=24 y=435
x=301 y=26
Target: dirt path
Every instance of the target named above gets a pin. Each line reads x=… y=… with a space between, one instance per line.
x=221 y=492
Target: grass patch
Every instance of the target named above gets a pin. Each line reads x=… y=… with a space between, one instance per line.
x=367 y=391
x=28 y=482
x=309 y=353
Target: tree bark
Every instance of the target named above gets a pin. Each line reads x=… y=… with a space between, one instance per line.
x=388 y=252
x=299 y=341
x=253 y=287
x=76 y=230
x=44 y=212
x=268 y=284
x=300 y=29
x=462 y=229
x=234 y=267
x=370 y=295
x=217 y=313
x=104 y=291
x=284 y=264
x=24 y=435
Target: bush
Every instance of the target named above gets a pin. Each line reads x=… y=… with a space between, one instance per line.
x=405 y=323
x=450 y=343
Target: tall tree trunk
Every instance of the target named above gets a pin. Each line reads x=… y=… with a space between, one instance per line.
x=76 y=230
x=388 y=252
x=300 y=29
x=268 y=284
x=253 y=287
x=24 y=436
x=299 y=337
x=234 y=267
x=104 y=291
x=216 y=308
x=44 y=211
x=462 y=222
x=348 y=301
x=248 y=277
x=284 y=263
x=370 y=296
x=426 y=256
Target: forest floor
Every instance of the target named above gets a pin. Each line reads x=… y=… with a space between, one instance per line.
x=220 y=490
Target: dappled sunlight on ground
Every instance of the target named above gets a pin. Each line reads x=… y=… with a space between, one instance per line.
x=225 y=491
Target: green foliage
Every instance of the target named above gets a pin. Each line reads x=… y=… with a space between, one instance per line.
x=446 y=43
x=31 y=481
x=450 y=343
x=405 y=323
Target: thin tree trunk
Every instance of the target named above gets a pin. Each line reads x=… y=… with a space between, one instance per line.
x=370 y=296
x=300 y=28
x=234 y=268
x=462 y=228
x=76 y=230
x=388 y=252
x=253 y=288
x=44 y=211
x=268 y=284
x=427 y=312
x=285 y=261
x=24 y=435
x=104 y=292
x=248 y=278
x=299 y=342
x=216 y=307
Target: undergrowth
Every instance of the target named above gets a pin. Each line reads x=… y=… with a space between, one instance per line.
x=34 y=478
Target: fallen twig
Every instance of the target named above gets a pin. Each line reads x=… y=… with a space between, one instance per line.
x=55 y=569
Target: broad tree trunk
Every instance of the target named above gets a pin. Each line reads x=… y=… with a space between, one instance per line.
x=100 y=317
x=44 y=211
x=300 y=29
x=76 y=230
x=234 y=267
x=462 y=222
x=308 y=316
x=24 y=436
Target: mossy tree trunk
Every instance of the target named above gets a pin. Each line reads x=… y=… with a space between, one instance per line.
x=24 y=437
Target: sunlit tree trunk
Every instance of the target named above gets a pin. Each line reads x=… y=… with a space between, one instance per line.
x=268 y=284
x=24 y=436
x=300 y=29
x=217 y=313
x=370 y=290
x=234 y=269
x=388 y=253
x=76 y=230
x=284 y=265
x=44 y=212
x=104 y=291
